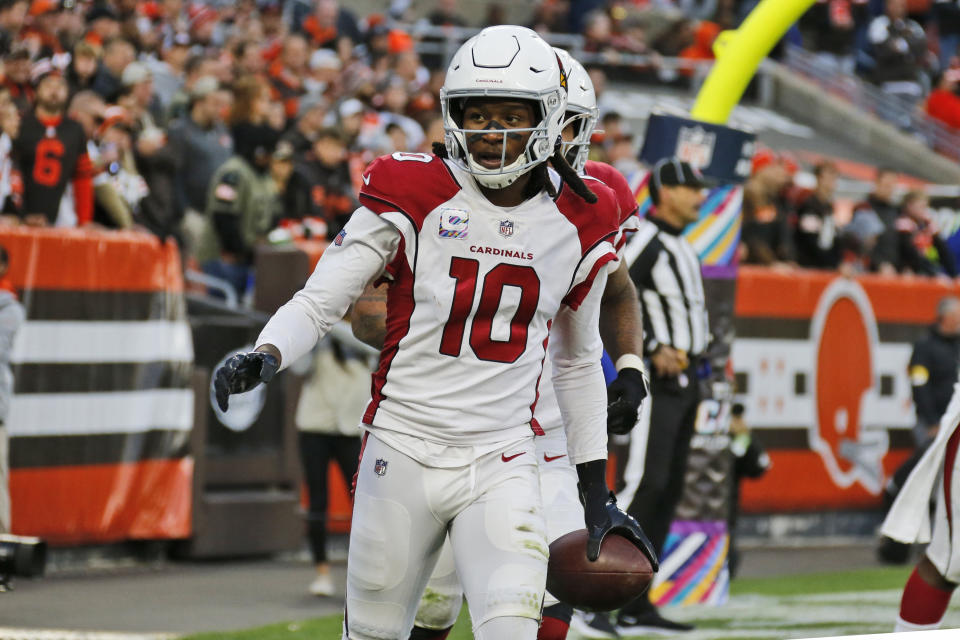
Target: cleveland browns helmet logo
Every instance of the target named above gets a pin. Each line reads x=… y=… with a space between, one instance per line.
x=844 y=330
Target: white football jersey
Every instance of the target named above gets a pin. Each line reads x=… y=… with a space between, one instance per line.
x=548 y=411
x=474 y=290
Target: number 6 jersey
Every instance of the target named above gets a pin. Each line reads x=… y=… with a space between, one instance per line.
x=473 y=291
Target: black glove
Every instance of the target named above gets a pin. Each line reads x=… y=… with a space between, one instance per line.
x=624 y=396
x=243 y=372
x=602 y=516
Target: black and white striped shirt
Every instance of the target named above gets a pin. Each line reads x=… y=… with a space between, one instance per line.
x=666 y=270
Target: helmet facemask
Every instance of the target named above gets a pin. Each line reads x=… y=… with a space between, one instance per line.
x=538 y=148
x=577 y=150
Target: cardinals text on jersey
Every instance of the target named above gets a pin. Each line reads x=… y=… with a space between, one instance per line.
x=471 y=305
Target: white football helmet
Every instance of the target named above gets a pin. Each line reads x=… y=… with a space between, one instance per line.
x=505 y=62
x=582 y=111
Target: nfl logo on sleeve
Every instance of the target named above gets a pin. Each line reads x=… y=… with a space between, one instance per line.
x=380 y=467
x=340 y=236
x=506 y=228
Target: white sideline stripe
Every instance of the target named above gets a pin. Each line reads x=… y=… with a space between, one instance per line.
x=939 y=634
x=85 y=342
x=60 y=414
x=9 y=633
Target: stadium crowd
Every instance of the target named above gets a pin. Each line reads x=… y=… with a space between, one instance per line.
x=220 y=123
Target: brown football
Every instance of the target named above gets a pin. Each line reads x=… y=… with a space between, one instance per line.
x=619 y=575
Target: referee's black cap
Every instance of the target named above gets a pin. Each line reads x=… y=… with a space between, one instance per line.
x=674 y=172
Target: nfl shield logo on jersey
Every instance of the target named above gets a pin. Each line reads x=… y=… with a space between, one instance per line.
x=506 y=228
x=340 y=236
x=380 y=467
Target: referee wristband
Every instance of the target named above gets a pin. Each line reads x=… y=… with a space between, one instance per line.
x=631 y=361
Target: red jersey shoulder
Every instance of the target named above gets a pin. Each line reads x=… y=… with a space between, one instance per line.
x=413 y=183
x=596 y=221
x=615 y=180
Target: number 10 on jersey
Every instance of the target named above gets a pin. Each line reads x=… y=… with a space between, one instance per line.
x=465 y=272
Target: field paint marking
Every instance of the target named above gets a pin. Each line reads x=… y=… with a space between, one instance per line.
x=7 y=633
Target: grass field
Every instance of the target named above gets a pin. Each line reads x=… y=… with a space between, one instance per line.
x=802 y=606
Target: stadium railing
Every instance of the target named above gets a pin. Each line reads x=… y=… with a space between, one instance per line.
x=870 y=99
x=444 y=42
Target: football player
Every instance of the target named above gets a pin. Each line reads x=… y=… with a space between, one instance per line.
x=484 y=250
x=928 y=589
x=620 y=330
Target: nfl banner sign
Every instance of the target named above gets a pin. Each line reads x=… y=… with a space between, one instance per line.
x=695 y=553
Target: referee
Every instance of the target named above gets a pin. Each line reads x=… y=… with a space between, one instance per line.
x=666 y=270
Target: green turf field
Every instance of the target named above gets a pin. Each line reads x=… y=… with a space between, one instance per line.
x=809 y=605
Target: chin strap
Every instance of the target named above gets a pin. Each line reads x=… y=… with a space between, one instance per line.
x=501 y=179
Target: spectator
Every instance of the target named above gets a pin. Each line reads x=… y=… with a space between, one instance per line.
x=331 y=27
x=88 y=109
x=898 y=47
x=702 y=48
x=118 y=207
x=324 y=77
x=445 y=15
x=943 y=103
x=313 y=111
x=933 y=369
x=597 y=32
x=157 y=163
x=749 y=461
x=859 y=240
x=766 y=234
x=350 y=113
x=169 y=71
x=398 y=137
x=921 y=248
x=196 y=67
x=287 y=74
x=50 y=162
x=881 y=205
x=947 y=16
x=251 y=102
x=41 y=33
x=320 y=186
x=103 y=24
x=406 y=66
x=83 y=67
x=815 y=236
x=328 y=414
x=201 y=143
x=12 y=15
x=242 y=204
x=137 y=86
x=11 y=185
x=248 y=59
x=117 y=54
x=830 y=29
x=11 y=319
x=16 y=77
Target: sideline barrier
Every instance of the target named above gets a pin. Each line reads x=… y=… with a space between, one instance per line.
x=820 y=363
x=101 y=416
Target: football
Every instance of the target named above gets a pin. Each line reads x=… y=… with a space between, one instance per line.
x=619 y=575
